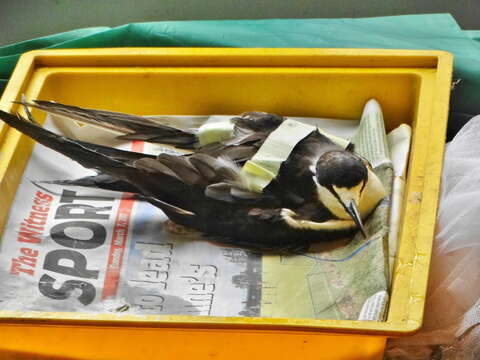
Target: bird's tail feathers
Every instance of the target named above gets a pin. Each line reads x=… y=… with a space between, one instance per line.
x=106 y=182
x=101 y=181
x=115 y=172
x=82 y=152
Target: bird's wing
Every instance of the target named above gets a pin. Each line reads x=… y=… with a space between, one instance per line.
x=256 y=121
x=170 y=178
x=238 y=151
x=100 y=181
x=133 y=127
x=216 y=178
x=250 y=129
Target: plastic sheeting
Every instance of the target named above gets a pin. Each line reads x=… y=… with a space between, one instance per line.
x=451 y=328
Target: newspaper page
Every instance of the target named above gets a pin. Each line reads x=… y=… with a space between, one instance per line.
x=399 y=147
x=75 y=249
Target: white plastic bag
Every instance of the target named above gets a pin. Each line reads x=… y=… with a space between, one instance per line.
x=451 y=328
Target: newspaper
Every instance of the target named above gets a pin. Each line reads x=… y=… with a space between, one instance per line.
x=85 y=250
x=399 y=146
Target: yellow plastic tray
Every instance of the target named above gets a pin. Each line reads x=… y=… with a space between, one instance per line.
x=412 y=86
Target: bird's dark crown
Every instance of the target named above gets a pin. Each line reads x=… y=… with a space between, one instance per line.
x=341 y=169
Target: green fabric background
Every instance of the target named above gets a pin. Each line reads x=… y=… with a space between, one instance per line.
x=432 y=31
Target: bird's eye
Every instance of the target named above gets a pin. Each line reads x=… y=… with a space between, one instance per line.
x=363 y=187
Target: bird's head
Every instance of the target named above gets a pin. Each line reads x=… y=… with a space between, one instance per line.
x=342 y=179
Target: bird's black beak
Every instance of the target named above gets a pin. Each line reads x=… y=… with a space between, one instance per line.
x=355 y=214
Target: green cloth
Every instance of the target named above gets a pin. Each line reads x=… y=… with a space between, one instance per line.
x=432 y=31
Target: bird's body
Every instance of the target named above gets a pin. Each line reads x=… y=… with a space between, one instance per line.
x=321 y=191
